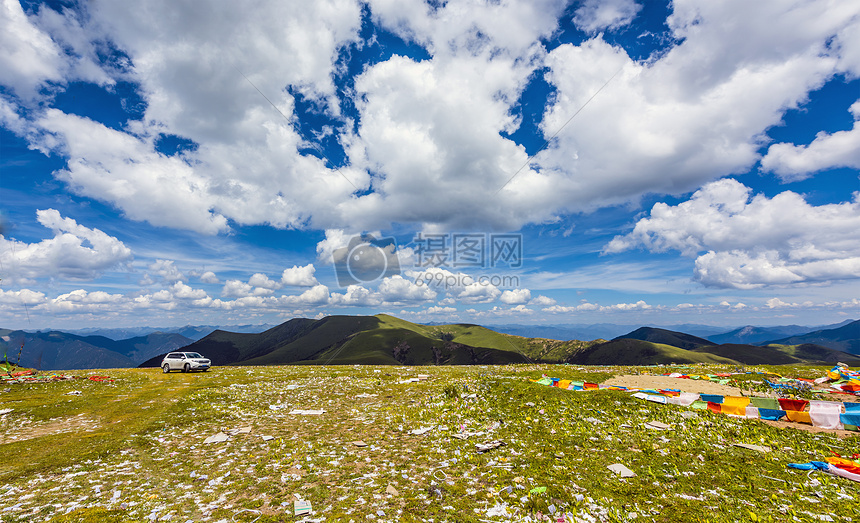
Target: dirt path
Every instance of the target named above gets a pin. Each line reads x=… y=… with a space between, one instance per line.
x=80 y=423
x=644 y=381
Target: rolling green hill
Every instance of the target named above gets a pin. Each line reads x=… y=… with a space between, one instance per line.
x=627 y=351
x=667 y=337
x=845 y=338
x=380 y=339
x=751 y=354
x=810 y=352
x=386 y=340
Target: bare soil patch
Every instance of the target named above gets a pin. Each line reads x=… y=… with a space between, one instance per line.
x=80 y=423
x=644 y=381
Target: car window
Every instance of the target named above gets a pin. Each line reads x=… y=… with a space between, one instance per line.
x=194 y=355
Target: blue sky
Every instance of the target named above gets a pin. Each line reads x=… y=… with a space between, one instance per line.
x=642 y=162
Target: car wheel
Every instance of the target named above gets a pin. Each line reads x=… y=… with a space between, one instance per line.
x=165 y=368
x=187 y=368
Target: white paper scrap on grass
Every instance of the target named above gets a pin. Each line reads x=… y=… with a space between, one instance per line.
x=217 y=438
x=621 y=470
x=759 y=448
x=301 y=507
x=303 y=412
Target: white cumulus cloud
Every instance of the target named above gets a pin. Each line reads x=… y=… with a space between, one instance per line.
x=261 y=280
x=75 y=252
x=209 y=277
x=515 y=296
x=299 y=276
x=167 y=270
x=597 y=15
x=797 y=162
x=542 y=301
x=397 y=289
x=28 y=56
x=746 y=241
x=695 y=112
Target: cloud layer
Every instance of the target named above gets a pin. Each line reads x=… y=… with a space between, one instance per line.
x=400 y=116
x=75 y=252
x=753 y=241
x=428 y=141
x=797 y=162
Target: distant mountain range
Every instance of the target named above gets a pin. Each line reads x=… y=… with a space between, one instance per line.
x=55 y=350
x=772 y=354
x=667 y=337
x=845 y=338
x=384 y=339
x=194 y=332
x=754 y=335
x=609 y=331
x=606 y=331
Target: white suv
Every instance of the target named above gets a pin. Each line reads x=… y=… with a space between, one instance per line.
x=185 y=361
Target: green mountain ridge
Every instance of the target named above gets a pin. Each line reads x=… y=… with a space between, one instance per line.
x=667 y=337
x=845 y=338
x=387 y=340
x=631 y=351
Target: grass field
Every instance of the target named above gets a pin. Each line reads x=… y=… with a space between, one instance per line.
x=133 y=450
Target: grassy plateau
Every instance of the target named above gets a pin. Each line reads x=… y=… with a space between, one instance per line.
x=391 y=448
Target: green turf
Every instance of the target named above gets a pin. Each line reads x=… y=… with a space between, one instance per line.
x=141 y=455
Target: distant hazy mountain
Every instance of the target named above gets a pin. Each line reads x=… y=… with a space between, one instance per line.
x=194 y=332
x=666 y=337
x=629 y=351
x=754 y=335
x=56 y=350
x=833 y=325
x=141 y=348
x=606 y=331
x=702 y=331
x=845 y=338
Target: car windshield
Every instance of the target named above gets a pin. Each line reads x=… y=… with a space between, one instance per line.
x=193 y=355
